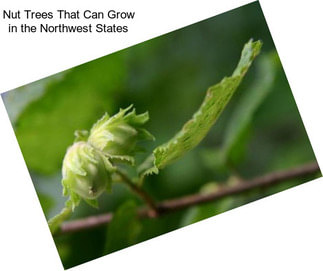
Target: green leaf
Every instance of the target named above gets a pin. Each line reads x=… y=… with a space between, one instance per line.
x=237 y=131
x=45 y=127
x=147 y=167
x=126 y=159
x=16 y=101
x=214 y=103
x=123 y=229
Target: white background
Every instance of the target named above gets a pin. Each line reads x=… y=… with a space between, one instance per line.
x=281 y=232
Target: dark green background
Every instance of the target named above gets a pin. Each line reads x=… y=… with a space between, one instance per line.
x=168 y=77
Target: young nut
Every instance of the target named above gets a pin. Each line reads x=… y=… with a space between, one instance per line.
x=119 y=134
x=86 y=171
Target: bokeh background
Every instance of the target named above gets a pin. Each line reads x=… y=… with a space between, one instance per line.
x=167 y=76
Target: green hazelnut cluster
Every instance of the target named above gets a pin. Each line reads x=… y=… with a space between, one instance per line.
x=90 y=163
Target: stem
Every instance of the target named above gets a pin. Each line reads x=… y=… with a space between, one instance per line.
x=169 y=206
x=55 y=222
x=153 y=211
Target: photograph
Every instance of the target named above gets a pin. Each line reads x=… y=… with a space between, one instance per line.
x=161 y=135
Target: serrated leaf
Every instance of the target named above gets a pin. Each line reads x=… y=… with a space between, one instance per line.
x=214 y=103
x=237 y=130
x=147 y=168
x=126 y=159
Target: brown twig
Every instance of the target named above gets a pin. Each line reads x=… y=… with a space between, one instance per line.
x=141 y=193
x=195 y=199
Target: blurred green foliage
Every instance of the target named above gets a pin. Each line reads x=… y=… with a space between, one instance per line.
x=259 y=131
x=47 y=124
x=123 y=229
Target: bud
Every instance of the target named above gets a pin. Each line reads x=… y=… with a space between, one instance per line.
x=118 y=135
x=86 y=171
